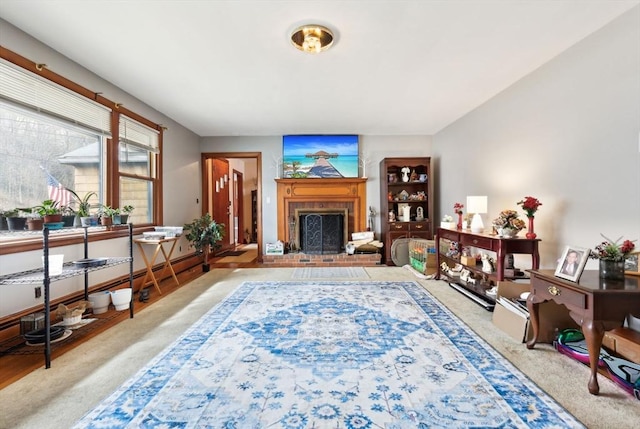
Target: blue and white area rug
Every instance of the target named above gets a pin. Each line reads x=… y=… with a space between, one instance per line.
x=335 y=354
x=330 y=273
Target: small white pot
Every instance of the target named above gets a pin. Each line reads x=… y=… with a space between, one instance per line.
x=121 y=298
x=100 y=302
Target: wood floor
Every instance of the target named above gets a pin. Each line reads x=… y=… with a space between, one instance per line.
x=18 y=359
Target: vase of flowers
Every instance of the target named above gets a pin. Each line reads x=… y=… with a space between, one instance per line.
x=508 y=224
x=611 y=256
x=530 y=206
x=457 y=208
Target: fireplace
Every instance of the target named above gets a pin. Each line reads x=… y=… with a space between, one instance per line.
x=320 y=231
x=343 y=196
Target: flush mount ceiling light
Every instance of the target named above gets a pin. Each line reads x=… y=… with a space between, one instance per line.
x=312 y=38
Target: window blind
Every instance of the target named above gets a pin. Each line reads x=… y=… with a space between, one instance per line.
x=136 y=134
x=34 y=92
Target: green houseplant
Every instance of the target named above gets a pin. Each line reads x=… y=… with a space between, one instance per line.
x=125 y=213
x=50 y=211
x=83 y=206
x=205 y=235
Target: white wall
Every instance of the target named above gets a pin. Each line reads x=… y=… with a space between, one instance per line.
x=373 y=148
x=567 y=134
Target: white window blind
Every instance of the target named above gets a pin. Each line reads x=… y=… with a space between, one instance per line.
x=27 y=89
x=136 y=134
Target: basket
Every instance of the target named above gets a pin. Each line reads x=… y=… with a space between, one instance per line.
x=422 y=255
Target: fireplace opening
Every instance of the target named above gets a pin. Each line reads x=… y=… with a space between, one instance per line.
x=321 y=232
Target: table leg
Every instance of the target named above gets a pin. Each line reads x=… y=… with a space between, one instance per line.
x=167 y=263
x=149 y=263
x=533 y=308
x=593 y=333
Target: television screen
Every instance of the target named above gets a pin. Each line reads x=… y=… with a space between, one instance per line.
x=314 y=156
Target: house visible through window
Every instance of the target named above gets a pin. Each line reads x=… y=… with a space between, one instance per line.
x=53 y=138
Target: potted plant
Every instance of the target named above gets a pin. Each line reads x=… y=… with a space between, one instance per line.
x=125 y=213
x=34 y=220
x=205 y=235
x=16 y=219
x=3 y=220
x=68 y=215
x=49 y=211
x=106 y=213
x=83 y=206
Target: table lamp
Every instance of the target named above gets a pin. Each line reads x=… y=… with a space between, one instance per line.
x=477 y=205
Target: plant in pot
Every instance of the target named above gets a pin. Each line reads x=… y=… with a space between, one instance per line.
x=205 y=235
x=83 y=206
x=125 y=213
x=106 y=213
x=68 y=215
x=16 y=219
x=50 y=211
x=34 y=220
x=3 y=220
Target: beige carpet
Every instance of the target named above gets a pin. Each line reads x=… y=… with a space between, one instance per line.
x=80 y=379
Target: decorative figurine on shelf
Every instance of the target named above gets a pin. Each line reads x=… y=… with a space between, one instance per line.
x=487 y=266
x=419 y=213
x=405 y=173
x=392 y=216
x=414 y=176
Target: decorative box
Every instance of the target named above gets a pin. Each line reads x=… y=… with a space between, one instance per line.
x=274 y=248
x=468 y=260
x=448 y=225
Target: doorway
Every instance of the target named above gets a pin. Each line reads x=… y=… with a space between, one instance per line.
x=232 y=203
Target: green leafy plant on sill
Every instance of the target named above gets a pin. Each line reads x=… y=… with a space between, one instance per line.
x=83 y=203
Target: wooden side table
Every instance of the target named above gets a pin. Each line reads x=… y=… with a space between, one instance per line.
x=595 y=304
x=159 y=248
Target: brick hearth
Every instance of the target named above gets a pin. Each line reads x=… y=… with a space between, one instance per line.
x=312 y=260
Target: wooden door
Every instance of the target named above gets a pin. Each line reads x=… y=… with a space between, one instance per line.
x=238 y=206
x=220 y=202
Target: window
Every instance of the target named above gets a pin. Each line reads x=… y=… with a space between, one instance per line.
x=53 y=137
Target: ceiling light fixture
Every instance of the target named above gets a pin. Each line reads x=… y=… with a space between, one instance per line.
x=312 y=38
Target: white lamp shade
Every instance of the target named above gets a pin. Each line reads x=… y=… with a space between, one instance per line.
x=477 y=204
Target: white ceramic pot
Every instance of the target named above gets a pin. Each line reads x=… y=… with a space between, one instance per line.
x=71 y=320
x=100 y=302
x=121 y=298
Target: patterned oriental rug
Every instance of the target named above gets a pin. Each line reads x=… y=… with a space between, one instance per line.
x=329 y=354
x=329 y=273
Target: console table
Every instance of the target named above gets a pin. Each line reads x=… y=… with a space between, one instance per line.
x=491 y=242
x=597 y=305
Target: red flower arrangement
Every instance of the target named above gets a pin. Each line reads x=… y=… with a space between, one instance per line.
x=613 y=251
x=529 y=205
x=457 y=208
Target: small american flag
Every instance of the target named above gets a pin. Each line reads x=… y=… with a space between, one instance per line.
x=57 y=192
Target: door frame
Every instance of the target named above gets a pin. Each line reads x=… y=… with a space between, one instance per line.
x=241 y=155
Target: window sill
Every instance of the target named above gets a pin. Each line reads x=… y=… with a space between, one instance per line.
x=23 y=241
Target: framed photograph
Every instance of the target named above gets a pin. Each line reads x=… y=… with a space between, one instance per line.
x=631 y=264
x=572 y=262
x=320 y=156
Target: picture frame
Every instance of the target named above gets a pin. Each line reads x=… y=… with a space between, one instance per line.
x=572 y=262
x=632 y=265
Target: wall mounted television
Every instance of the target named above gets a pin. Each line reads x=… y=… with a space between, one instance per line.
x=320 y=156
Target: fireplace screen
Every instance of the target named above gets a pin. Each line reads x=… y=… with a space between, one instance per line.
x=321 y=233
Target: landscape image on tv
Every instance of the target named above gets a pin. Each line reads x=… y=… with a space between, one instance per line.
x=316 y=156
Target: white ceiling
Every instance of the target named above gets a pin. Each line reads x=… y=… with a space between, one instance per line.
x=227 y=68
